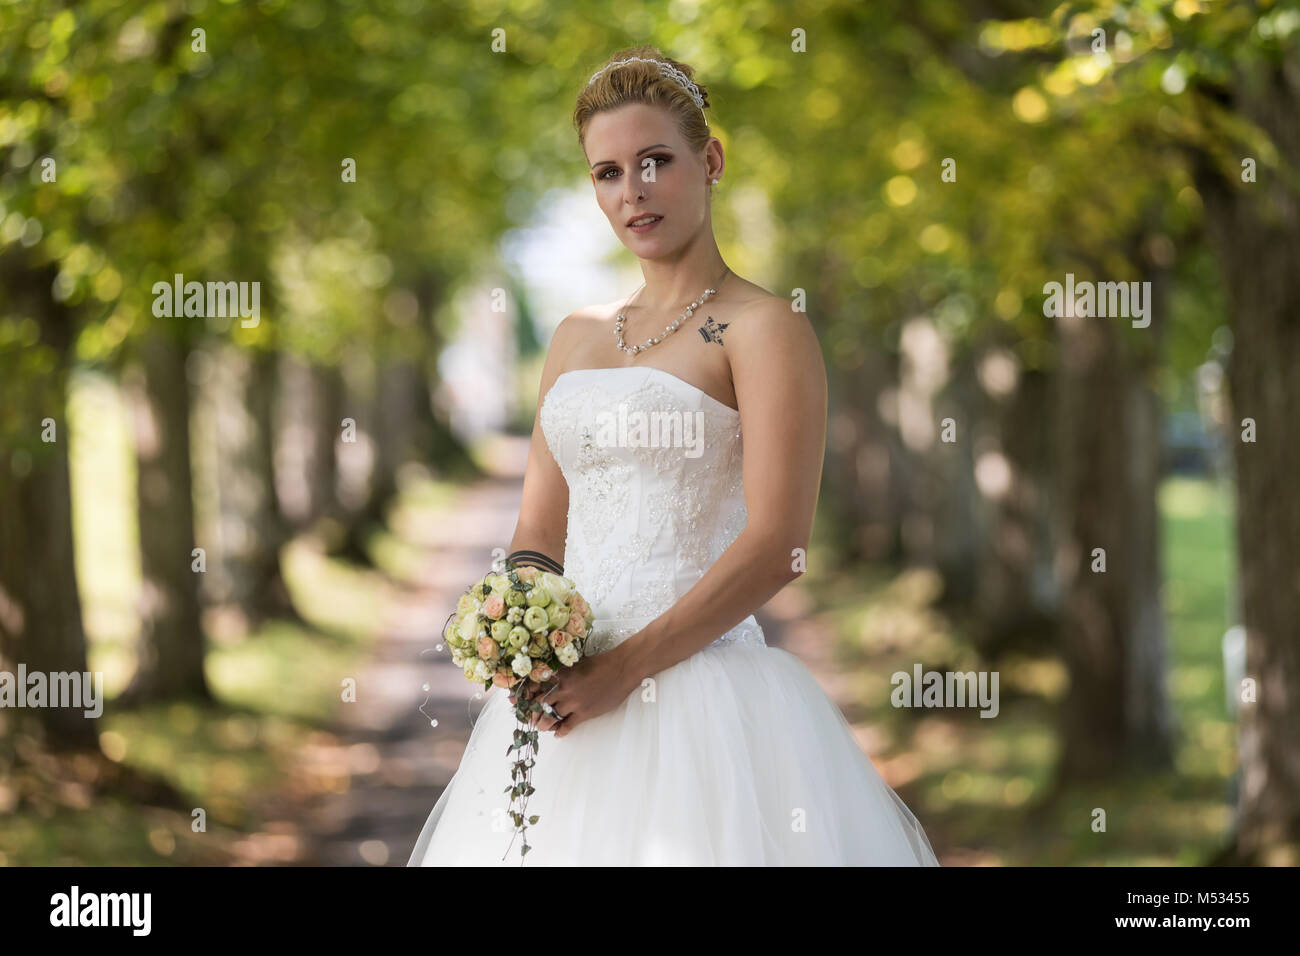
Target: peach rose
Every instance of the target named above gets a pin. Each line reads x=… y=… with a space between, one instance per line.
x=578 y=604
x=576 y=626
x=494 y=607
x=527 y=573
x=560 y=638
x=488 y=649
x=504 y=679
x=540 y=673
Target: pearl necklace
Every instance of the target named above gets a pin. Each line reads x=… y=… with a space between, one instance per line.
x=669 y=330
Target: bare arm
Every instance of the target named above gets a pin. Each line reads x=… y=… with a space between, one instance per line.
x=780 y=381
x=544 y=510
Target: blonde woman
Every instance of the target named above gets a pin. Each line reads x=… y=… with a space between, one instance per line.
x=681 y=738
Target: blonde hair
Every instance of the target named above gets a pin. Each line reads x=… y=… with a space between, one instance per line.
x=639 y=82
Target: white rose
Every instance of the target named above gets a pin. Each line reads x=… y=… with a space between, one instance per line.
x=556 y=586
x=522 y=665
x=568 y=654
x=468 y=629
x=498 y=582
x=458 y=657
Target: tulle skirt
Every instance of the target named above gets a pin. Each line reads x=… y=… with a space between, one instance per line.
x=732 y=757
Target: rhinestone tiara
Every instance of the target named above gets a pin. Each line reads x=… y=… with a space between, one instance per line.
x=667 y=69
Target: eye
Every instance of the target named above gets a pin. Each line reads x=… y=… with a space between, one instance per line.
x=660 y=160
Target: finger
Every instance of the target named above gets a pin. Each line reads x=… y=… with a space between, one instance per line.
x=549 y=714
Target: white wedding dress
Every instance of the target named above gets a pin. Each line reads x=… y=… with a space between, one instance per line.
x=734 y=756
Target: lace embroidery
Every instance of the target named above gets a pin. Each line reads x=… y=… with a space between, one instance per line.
x=628 y=503
x=654 y=593
x=748 y=632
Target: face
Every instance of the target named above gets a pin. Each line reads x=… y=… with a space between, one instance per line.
x=624 y=145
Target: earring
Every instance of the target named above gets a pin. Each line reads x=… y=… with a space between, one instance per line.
x=713 y=182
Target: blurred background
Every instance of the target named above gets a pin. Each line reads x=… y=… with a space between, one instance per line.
x=254 y=528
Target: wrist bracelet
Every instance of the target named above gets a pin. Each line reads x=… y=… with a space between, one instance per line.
x=535 y=559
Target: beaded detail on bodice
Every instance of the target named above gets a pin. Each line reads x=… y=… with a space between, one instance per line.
x=653 y=466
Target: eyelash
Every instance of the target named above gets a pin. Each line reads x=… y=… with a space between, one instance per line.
x=666 y=161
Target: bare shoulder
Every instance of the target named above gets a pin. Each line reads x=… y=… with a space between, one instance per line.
x=578 y=319
x=572 y=328
x=769 y=340
x=772 y=321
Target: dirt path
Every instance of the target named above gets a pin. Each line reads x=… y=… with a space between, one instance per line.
x=397 y=762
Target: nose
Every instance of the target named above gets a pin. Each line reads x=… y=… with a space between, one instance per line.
x=634 y=190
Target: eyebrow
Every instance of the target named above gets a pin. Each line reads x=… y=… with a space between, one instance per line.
x=605 y=162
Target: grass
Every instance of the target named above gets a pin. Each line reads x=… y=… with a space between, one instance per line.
x=975 y=782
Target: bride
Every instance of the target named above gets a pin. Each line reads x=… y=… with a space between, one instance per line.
x=681 y=738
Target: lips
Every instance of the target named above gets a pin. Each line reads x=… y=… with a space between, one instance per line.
x=644 y=215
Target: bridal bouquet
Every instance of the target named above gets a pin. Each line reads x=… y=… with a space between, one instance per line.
x=515 y=630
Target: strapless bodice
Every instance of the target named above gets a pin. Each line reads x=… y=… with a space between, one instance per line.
x=653 y=465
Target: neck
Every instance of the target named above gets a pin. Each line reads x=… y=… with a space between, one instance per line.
x=672 y=284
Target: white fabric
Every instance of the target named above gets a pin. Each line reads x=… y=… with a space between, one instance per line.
x=734 y=756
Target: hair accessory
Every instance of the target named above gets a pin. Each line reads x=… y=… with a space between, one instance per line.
x=667 y=69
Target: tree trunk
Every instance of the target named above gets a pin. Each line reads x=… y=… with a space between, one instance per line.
x=1256 y=230
x=171 y=649
x=402 y=426
x=860 y=460
x=1116 y=711
x=40 y=607
x=307 y=428
x=356 y=458
x=252 y=528
x=957 y=543
x=925 y=461
x=1017 y=597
